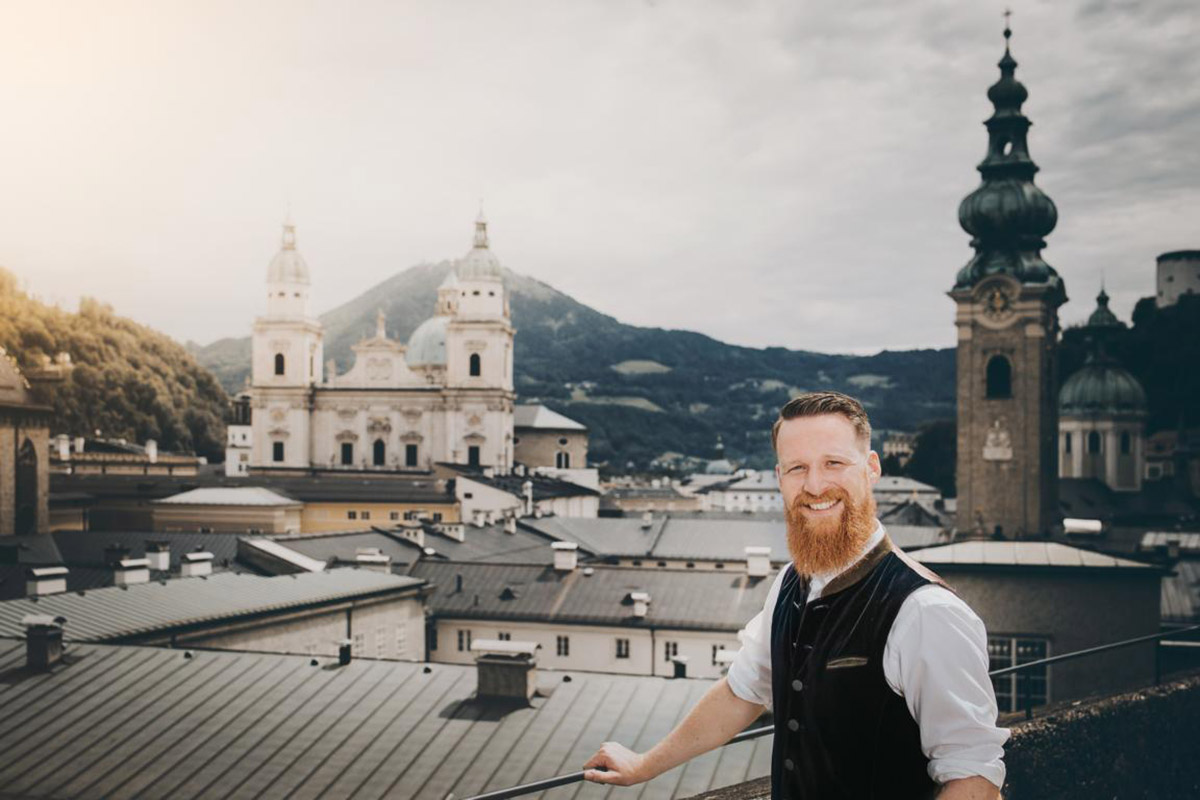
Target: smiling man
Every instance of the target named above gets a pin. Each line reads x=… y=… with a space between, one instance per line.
x=876 y=672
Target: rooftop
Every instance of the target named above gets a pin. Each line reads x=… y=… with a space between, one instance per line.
x=229 y=496
x=1025 y=554
x=146 y=720
x=540 y=417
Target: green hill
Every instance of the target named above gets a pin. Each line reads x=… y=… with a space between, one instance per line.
x=643 y=392
x=128 y=381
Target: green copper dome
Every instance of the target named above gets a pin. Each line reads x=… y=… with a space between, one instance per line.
x=1101 y=387
x=1102 y=317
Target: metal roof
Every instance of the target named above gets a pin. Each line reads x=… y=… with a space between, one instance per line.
x=1023 y=554
x=681 y=599
x=1181 y=593
x=229 y=496
x=890 y=483
x=1188 y=542
x=323 y=488
x=538 y=416
x=119 y=612
x=119 y=722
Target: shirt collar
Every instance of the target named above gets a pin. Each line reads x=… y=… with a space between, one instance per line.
x=819 y=581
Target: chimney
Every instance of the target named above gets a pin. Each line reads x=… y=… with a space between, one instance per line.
x=158 y=554
x=195 y=565
x=41 y=581
x=527 y=493
x=510 y=525
x=152 y=451
x=477 y=518
x=78 y=445
x=1173 y=549
x=43 y=640
x=506 y=670
x=647 y=520
x=489 y=472
x=114 y=554
x=641 y=603
x=566 y=556
x=680 y=663
x=344 y=648
x=758 y=562
x=131 y=571
x=372 y=558
x=63 y=443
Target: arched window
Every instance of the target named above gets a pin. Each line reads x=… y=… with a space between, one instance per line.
x=1093 y=445
x=475 y=365
x=1067 y=442
x=347 y=454
x=562 y=460
x=380 y=452
x=1125 y=443
x=279 y=363
x=26 y=521
x=999 y=377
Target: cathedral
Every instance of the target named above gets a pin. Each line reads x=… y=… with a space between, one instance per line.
x=445 y=396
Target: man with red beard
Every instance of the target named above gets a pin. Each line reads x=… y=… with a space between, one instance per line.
x=875 y=671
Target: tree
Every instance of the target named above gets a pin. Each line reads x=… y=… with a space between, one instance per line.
x=935 y=456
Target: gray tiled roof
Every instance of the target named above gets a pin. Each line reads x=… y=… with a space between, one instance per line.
x=1023 y=554
x=1181 y=593
x=538 y=416
x=119 y=722
x=124 y=612
x=326 y=488
x=344 y=546
x=683 y=599
x=86 y=548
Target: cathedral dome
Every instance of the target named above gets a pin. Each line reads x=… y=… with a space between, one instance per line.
x=288 y=266
x=427 y=345
x=1101 y=387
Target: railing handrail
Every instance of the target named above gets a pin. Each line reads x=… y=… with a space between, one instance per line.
x=754 y=733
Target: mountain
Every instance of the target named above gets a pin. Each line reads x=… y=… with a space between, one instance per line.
x=128 y=381
x=643 y=392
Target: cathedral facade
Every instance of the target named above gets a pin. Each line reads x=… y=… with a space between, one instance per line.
x=444 y=396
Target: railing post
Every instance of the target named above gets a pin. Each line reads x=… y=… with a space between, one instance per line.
x=1157 y=661
x=1025 y=695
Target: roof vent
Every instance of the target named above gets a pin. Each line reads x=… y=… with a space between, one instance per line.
x=373 y=558
x=510 y=524
x=641 y=604
x=196 y=565
x=114 y=553
x=41 y=581
x=647 y=521
x=758 y=562
x=131 y=571
x=566 y=556
x=43 y=640
x=506 y=670
x=158 y=553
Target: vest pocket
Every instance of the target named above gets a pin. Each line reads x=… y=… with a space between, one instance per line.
x=846 y=662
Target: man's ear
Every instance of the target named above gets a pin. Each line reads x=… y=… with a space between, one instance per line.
x=874 y=467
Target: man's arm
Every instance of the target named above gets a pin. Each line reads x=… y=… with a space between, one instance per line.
x=717 y=717
x=976 y=788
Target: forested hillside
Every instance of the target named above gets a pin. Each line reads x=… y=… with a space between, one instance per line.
x=128 y=381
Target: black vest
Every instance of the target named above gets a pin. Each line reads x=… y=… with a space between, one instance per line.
x=840 y=730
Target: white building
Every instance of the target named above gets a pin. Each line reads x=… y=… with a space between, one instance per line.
x=444 y=396
x=238 y=438
x=1178 y=274
x=755 y=491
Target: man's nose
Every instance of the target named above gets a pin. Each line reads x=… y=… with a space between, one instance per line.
x=815 y=483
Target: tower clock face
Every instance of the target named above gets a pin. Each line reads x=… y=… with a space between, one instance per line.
x=997 y=305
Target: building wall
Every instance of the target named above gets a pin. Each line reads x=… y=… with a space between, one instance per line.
x=169 y=518
x=537 y=447
x=592 y=648
x=390 y=629
x=15 y=428
x=1177 y=276
x=321 y=517
x=1007 y=468
x=1073 y=609
x=1120 y=471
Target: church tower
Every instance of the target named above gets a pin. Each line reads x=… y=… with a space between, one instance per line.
x=1007 y=321
x=287 y=358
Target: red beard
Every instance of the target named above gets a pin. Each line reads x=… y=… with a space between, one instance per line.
x=822 y=546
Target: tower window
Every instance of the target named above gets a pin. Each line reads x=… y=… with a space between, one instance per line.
x=1067 y=442
x=410 y=455
x=1125 y=443
x=380 y=451
x=473 y=456
x=347 y=454
x=277 y=451
x=562 y=460
x=279 y=363
x=1093 y=442
x=476 y=365
x=999 y=377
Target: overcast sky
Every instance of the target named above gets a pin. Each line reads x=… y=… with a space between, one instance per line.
x=768 y=173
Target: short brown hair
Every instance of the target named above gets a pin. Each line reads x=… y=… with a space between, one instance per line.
x=813 y=404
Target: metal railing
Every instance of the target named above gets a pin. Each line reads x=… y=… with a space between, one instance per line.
x=1026 y=697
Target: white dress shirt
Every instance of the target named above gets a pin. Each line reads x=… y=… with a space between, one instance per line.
x=935 y=658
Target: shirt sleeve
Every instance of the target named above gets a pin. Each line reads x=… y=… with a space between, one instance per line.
x=936 y=659
x=749 y=675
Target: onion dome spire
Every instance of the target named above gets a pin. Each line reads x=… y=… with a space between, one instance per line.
x=1103 y=317
x=1008 y=216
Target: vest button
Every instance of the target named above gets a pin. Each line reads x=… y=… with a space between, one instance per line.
x=797 y=685
x=793 y=725
x=788 y=764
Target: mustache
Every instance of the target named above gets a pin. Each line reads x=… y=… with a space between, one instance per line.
x=806 y=499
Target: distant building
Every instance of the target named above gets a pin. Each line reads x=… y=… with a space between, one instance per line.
x=899 y=445
x=891 y=490
x=445 y=396
x=1007 y=298
x=24 y=454
x=753 y=492
x=485 y=497
x=638 y=499
x=1178 y=275
x=243 y=509
x=81 y=456
x=238 y=437
x=545 y=438
x=1102 y=414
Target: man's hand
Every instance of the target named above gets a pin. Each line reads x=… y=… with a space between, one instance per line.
x=976 y=788
x=623 y=766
